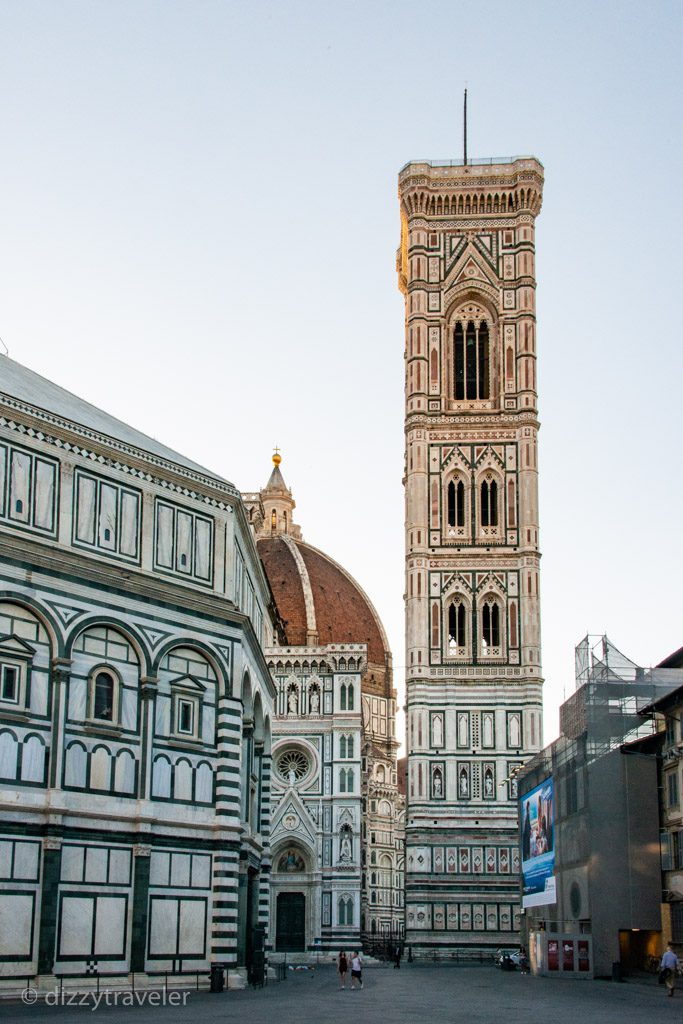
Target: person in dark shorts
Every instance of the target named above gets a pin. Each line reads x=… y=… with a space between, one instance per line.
x=342 y=968
x=356 y=970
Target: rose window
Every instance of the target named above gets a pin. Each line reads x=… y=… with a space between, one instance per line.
x=292 y=765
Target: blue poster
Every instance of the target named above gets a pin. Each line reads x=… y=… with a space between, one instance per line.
x=538 y=845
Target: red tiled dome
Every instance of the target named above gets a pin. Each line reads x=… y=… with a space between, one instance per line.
x=342 y=612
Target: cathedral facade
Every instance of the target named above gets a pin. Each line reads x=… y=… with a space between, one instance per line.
x=466 y=266
x=136 y=705
x=337 y=815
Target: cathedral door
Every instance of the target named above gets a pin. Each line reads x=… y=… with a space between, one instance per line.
x=291 y=922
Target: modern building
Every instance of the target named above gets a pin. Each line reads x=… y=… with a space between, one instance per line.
x=337 y=815
x=136 y=704
x=667 y=711
x=466 y=267
x=589 y=822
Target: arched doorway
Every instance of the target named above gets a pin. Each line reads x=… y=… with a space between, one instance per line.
x=291 y=922
x=295 y=898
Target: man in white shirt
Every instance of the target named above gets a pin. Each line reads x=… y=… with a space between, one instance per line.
x=356 y=969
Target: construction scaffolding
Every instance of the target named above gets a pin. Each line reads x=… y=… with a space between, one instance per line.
x=611 y=691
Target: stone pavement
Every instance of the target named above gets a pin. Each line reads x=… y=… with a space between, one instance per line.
x=413 y=995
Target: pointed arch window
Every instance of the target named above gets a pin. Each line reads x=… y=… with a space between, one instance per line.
x=345 y=910
x=471 y=343
x=456 y=625
x=345 y=746
x=456 y=503
x=490 y=617
x=489 y=503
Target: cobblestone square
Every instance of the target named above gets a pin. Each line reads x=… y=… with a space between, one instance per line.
x=475 y=995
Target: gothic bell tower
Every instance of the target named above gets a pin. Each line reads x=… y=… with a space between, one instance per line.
x=466 y=268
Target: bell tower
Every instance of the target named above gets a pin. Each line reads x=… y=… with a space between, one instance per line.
x=466 y=267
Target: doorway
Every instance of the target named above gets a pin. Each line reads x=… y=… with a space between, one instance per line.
x=291 y=922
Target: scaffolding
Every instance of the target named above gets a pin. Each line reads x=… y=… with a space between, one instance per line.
x=611 y=691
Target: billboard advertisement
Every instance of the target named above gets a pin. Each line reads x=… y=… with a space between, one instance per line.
x=538 y=845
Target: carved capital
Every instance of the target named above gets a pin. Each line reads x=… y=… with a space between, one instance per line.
x=148 y=687
x=61 y=670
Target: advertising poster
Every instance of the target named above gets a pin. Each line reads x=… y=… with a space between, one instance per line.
x=538 y=845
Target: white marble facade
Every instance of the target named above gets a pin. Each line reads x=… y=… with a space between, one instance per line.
x=316 y=837
x=135 y=702
x=466 y=266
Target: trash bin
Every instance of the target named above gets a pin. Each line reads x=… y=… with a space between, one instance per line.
x=616 y=971
x=217 y=978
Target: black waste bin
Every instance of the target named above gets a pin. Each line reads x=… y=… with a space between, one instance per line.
x=616 y=971
x=217 y=977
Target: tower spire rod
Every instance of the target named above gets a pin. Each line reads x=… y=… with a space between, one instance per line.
x=464 y=129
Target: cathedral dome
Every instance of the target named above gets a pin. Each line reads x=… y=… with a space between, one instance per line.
x=318 y=600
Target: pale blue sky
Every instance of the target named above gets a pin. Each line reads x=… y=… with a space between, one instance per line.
x=198 y=230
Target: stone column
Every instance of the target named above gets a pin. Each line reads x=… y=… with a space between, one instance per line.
x=148 y=693
x=138 y=945
x=59 y=676
x=52 y=867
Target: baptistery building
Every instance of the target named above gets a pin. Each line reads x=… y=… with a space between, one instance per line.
x=337 y=817
x=136 y=705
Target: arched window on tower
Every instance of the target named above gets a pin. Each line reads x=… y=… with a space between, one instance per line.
x=490 y=619
x=456 y=503
x=471 y=360
x=489 y=503
x=456 y=625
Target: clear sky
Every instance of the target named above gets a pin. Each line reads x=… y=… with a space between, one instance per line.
x=198 y=225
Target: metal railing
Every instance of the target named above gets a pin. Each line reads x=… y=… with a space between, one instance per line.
x=485 y=161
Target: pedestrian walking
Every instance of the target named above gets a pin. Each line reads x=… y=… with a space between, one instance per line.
x=669 y=967
x=397 y=956
x=342 y=968
x=356 y=970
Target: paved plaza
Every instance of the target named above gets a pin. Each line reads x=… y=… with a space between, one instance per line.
x=475 y=995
